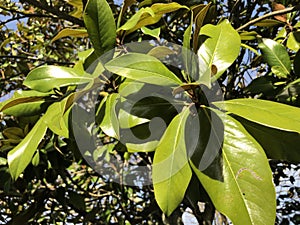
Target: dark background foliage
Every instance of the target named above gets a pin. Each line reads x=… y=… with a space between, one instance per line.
x=63 y=188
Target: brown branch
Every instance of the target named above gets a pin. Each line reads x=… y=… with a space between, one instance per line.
x=275 y=13
x=54 y=11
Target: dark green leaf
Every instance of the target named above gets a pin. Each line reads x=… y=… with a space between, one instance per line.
x=100 y=24
x=276 y=56
x=245 y=184
x=278 y=144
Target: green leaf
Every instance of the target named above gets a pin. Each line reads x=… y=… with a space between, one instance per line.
x=220 y=48
x=292 y=43
x=199 y=21
x=297 y=64
x=100 y=24
x=143 y=68
x=171 y=171
x=277 y=144
x=110 y=123
x=267 y=113
x=144 y=147
x=56 y=121
x=276 y=56
x=248 y=35
x=3 y=161
x=268 y=23
x=127 y=120
x=45 y=78
x=19 y=158
x=161 y=52
x=245 y=183
x=36 y=159
x=25 y=103
x=154 y=33
x=68 y=32
x=149 y=15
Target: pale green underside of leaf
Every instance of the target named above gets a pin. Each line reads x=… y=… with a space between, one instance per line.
x=245 y=192
x=268 y=113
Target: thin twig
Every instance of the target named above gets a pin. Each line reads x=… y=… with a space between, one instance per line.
x=275 y=13
x=34 y=58
x=55 y=11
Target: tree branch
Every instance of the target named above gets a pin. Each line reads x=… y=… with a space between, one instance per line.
x=54 y=11
x=275 y=13
x=34 y=58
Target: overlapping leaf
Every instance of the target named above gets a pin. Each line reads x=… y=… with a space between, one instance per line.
x=143 y=68
x=276 y=56
x=267 y=113
x=220 y=48
x=171 y=171
x=100 y=24
x=244 y=191
x=45 y=78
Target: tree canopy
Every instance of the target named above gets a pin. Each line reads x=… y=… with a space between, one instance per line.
x=143 y=112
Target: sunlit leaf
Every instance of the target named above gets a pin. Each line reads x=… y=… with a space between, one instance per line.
x=276 y=56
x=68 y=32
x=110 y=123
x=171 y=171
x=267 y=113
x=150 y=15
x=221 y=47
x=45 y=78
x=245 y=183
x=19 y=158
x=143 y=68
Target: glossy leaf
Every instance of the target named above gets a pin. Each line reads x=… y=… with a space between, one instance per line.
x=276 y=56
x=100 y=24
x=19 y=158
x=149 y=15
x=68 y=32
x=220 y=48
x=110 y=123
x=267 y=113
x=244 y=191
x=127 y=120
x=45 y=78
x=26 y=103
x=292 y=43
x=154 y=33
x=144 y=147
x=143 y=68
x=277 y=144
x=171 y=171
x=56 y=120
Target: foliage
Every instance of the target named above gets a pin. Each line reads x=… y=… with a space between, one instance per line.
x=202 y=149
